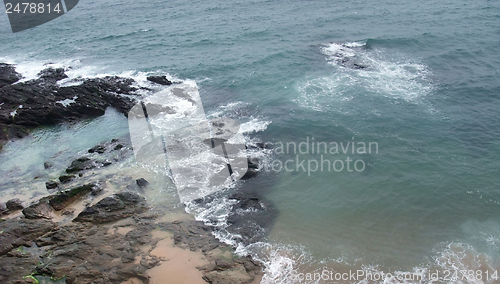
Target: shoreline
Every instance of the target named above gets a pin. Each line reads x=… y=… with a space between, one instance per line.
x=98 y=221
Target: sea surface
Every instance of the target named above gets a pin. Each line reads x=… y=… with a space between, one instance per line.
x=416 y=82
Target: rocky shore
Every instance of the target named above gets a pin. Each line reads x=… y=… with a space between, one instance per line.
x=83 y=231
x=42 y=101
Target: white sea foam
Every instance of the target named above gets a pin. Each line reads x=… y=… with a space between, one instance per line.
x=362 y=72
x=67 y=102
x=77 y=72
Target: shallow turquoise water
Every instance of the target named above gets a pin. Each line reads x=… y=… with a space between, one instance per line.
x=429 y=96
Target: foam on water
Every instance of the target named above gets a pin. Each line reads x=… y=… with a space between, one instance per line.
x=362 y=72
x=77 y=72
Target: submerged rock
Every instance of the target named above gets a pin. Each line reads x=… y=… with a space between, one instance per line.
x=142 y=183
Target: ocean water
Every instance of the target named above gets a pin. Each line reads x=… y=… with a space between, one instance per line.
x=418 y=81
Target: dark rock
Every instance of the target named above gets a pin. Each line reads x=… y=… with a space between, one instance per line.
x=80 y=164
x=222 y=264
x=142 y=183
x=97 y=149
x=39 y=210
x=253 y=163
x=47 y=165
x=45 y=103
x=359 y=66
x=192 y=235
x=9 y=132
x=14 y=204
x=52 y=75
x=68 y=212
x=3 y=209
x=150 y=262
x=263 y=145
x=8 y=75
x=63 y=199
x=98 y=188
x=138 y=236
x=116 y=207
x=16 y=232
x=118 y=147
x=66 y=178
x=85 y=253
x=162 y=80
x=250 y=217
x=251 y=172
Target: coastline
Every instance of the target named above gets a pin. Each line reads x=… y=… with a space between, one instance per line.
x=99 y=222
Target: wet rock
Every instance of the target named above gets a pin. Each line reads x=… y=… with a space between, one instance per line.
x=52 y=75
x=253 y=163
x=222 y=264
x=68 y=212
x=251 y=172
x=192 y=235
x=43 y=102
x=14 y=204
x=98 y=188
x=116 y=207
x=150 y=262
x=3 y=209
x=138 y=236
x=80 y=164
x=162 y=80
x=86 y=253
x=142 y=183
x=63 y=199
x=9 y=132
x=236 y=275
x=250 y=217
x=52 y=184
x=97 y=149
x=66 y=178
x=8 y=75
x=118 y=147
x=16 y=232
x=47 y=165
x=39 y=210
